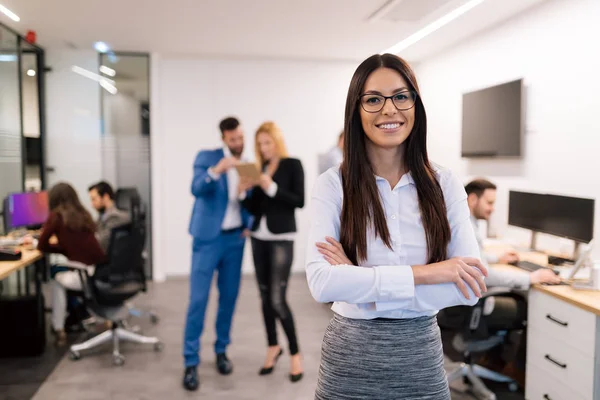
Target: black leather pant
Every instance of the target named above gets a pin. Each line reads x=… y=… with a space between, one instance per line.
x=272 y=262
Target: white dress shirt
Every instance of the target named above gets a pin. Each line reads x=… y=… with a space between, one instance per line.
x=383 y=285
x=233 y=213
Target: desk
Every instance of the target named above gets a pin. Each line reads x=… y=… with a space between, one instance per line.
x=25 y=315
x=563 y=340
x=29 y=257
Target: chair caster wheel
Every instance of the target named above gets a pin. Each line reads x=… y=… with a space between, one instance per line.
x=118 y=360
x=513 y=386
x=158 y=347
x=154 y=318
x=75 y=355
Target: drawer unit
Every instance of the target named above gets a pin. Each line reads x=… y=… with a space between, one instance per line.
x=562 y=321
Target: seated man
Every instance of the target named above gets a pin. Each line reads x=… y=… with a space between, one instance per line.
x=481 y=199
x=507 y=312
x=102 y=197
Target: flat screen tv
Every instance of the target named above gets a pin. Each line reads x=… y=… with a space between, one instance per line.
x=492 y=121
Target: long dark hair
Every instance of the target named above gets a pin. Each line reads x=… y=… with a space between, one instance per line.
x=63 y=200
x=362 y=208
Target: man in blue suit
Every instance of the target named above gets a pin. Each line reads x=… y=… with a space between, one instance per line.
x=218 y=228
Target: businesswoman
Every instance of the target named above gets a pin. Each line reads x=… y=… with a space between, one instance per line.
x=273 y=202
x=390 y=244
x=69 y=230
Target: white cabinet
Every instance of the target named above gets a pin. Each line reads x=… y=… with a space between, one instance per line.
x=562 y=347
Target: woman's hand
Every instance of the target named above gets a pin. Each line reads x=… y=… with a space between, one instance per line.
x=461 y=271
x=245 y=184
x=27 y=240
x=265 y=181
x=333 y=252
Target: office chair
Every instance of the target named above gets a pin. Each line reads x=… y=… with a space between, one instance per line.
x=106 y=292
x=129 y=199
x=475 y=332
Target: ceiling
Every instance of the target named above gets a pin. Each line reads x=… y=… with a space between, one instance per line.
x=302 y=29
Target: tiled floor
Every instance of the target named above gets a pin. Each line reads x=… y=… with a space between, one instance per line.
x=150 y=375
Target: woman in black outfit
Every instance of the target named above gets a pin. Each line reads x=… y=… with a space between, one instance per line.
x=272 y=200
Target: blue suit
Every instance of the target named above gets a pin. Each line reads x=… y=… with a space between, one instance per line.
x=213 y=250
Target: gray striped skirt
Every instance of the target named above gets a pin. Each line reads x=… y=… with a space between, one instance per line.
x=382 y=359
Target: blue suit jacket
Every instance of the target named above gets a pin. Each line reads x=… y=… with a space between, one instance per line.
x=211 y=196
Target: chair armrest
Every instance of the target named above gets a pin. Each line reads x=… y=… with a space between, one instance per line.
x=496 y=291
x=75 y=265
x=84 y=275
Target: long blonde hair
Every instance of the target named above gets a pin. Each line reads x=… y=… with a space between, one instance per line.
x=271 y=129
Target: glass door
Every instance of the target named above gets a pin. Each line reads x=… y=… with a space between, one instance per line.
x=125 y=115
x=30 y=103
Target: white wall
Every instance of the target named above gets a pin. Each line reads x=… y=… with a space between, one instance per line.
x=554 y=48
x=190 y=97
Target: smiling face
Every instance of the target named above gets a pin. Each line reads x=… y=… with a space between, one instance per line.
x=388 y=127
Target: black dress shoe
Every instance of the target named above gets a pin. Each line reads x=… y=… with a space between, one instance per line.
x=190 y=379
x=267 y=371
x=224 y=366
x=296 y=378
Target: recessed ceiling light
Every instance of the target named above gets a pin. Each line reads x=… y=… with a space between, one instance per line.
x=432 y=27
x=30 y=72
x=9 y=13
x=101 y=47
x=107 y=71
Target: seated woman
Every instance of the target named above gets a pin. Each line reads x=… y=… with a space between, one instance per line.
x=69 y=230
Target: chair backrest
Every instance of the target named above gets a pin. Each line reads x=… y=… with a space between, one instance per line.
x=129 y=199
x=123 y=275
x=473 y=325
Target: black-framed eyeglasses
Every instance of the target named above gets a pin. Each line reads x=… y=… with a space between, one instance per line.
x=403 y=101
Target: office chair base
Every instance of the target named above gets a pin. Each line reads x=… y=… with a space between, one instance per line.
x=141 y=313
x=115 y=335
x=474 y=373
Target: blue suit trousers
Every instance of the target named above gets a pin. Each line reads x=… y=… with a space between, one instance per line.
x=222 y=255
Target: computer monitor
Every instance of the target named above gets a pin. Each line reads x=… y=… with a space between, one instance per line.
x=25 y=210
x=568 y=217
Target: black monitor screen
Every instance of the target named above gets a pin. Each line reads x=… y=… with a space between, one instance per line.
x=569 y=217
x=492 y=121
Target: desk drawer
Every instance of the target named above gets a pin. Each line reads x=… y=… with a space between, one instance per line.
x=561 y=363
x=539 y=387
x=562 y=321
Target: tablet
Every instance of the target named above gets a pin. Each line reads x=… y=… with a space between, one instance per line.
x=248 y=170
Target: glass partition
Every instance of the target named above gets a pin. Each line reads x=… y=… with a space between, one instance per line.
x=11 y=167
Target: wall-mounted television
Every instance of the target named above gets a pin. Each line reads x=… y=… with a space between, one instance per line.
x=492 y=121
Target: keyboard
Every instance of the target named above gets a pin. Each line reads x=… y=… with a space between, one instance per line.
x=528 y=266
x=9 y=242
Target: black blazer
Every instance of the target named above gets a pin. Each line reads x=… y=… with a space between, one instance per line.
x=279 y=210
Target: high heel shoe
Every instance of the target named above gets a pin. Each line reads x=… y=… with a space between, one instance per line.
x=295 y=378
x=267 y=371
